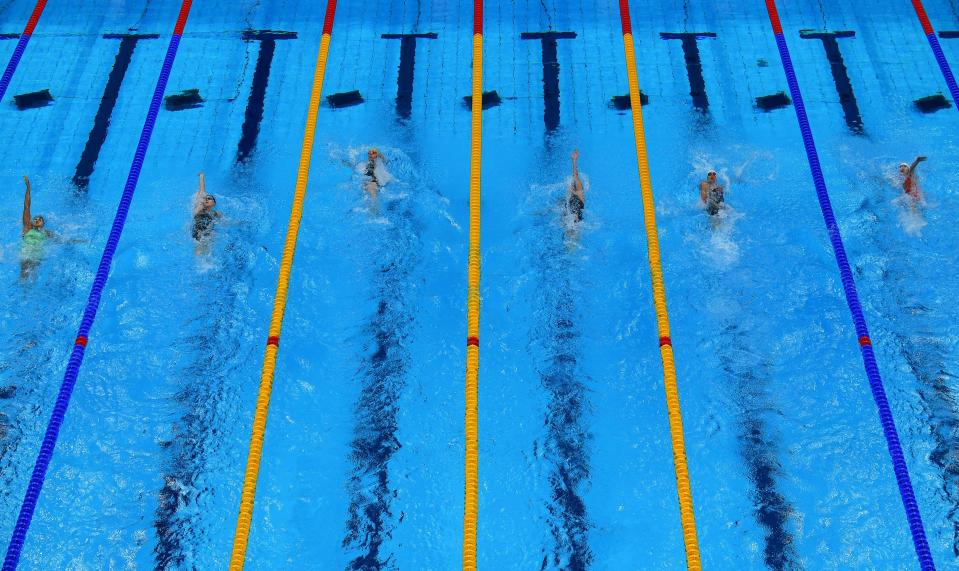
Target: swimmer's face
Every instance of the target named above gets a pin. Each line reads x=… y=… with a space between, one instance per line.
x=903 y=169
x=372 y=154
x=711 y=176
x=209 y=202
x=38 y=222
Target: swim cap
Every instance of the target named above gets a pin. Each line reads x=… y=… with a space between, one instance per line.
x=904 y=165
x=709 y=172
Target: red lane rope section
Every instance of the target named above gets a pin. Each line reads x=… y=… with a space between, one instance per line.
x=328 y=19
x=923 y=19
x=937 y=51
x=181 y=18
x=774 y=17
x=477 y=18
x=34 y=17
x=624 y=17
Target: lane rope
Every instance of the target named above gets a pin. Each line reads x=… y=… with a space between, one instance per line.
x=21 y=47
x=471 y=420
x=937 y=51
x=683 y=490
x=852 y=299
x=29 y=505
x=245 y=516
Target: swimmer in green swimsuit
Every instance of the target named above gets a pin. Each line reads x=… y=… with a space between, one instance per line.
x=34 y=236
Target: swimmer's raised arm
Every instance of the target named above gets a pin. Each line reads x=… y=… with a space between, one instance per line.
x=27 y=220
x=915 y=163
x=703 y=191
x=577 y=182
x=199 y=196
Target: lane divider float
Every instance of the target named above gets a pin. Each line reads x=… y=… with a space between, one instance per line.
x=674 y=413
x=937 y=51
x=245 y=516
x=15 y=548
x=471 y=419
x=852 y=299
x=21 y=47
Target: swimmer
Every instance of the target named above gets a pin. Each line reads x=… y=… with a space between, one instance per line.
x=910 y=180
x=575 y=195
x=34 y=236
x=712 y=195
x=373 y=185
x=204 y=217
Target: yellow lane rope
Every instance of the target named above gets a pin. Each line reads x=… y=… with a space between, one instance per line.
x=473 y=304
x=279 y=305
x=662 y=319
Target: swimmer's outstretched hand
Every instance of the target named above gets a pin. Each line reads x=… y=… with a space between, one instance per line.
x=575 y=154
x=920 y=158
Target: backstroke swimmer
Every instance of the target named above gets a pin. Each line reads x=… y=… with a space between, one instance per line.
x=375 y=177
x=575 y=193
x=374 y=160
x=34 y=236
x=204 y=217
x=712 y=195
x=910 y=180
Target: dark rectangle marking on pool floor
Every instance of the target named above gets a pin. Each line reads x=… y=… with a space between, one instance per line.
x=694 y=64
x=253 y=115
x=840 y=75
x=101 y=122
x=550 y=59
x=404 y=79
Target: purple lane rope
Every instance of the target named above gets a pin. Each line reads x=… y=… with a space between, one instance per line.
x=21 y=47
x=32 y=495
x=937 y=50
x=852 y=299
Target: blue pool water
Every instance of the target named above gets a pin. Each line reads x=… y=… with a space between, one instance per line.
x=363 y=457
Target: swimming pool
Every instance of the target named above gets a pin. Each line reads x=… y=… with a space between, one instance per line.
x=363 y=458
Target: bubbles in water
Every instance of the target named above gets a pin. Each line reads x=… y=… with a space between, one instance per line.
x=910 y=215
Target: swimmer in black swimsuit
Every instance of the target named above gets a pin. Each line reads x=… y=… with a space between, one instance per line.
x=576 y=196
x=372 y=184
x=204 y=217
x=712 y=195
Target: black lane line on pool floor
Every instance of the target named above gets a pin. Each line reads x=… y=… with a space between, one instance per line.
x=550 y=73
x=382 y=377
x=253 y=116
x=404 y=77
x=694 y=65
x=840 y=75
x=101 y=122
x=566 y=442
x=750 y=375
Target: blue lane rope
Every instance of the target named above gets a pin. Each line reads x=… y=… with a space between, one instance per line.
x=76 y=357
x=852 y=299
x=21 y=47
x=12 y=65
x=937 y=50
x=944 y=66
